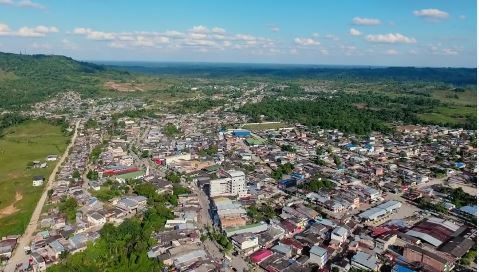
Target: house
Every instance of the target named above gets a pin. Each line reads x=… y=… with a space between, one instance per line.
x=96 y=218
x=52 y=158
x=339 y=234
x=318 y=255
x=365 y=261
x=38 y=180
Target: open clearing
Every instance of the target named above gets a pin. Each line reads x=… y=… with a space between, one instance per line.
x=32 y=140
x=264 y=126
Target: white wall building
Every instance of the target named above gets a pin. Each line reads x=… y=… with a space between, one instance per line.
x=233 y=185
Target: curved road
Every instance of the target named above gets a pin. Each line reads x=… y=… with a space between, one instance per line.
x=19 y=252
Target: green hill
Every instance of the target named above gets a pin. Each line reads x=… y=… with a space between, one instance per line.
x=25 y=79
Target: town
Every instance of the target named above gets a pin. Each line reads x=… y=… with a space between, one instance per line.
x=217 y=193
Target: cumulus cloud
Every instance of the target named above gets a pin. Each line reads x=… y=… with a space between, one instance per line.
x=199 y=29
x=22 y=4
x=390 y=38
x=218 y=30
x=200 y=38
x=38 y=31
x=4 y=29
x=366 y=21
x=431 y=13
x=355 y=32
x=306 y=41
x=93 y=34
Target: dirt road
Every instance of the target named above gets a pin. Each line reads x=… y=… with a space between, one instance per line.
x=19 y=253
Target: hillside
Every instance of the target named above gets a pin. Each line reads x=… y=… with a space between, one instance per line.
x=25 y=79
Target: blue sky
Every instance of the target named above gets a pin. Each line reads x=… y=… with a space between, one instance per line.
x=366 y=32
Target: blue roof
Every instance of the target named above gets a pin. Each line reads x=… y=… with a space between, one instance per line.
x=402 y=268
x=472 y=210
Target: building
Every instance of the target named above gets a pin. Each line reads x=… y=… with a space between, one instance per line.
x=234 y=184
x=380 y=211
x=38 y=180
x=431 y=261
x=365 y=261
x=241 y=133
x=318 y=255
x=245 y=241
x=434 y=231
x=339 y=234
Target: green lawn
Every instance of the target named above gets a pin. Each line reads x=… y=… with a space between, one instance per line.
x=32 y=140
x=264 y=126
x=452 y=114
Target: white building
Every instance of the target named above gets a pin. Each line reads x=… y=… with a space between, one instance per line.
x=339 y=234
x=38 y=181
x=232 y=185
x=318 y=255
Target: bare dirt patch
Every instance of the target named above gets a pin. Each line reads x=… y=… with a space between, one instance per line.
x=11 y=209
x=122 y=87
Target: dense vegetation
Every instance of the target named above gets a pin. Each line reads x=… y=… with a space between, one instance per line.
x=282 y=170
x=194 y=106
x=351 y=113
x=10 y=119
x=457 y=76
x=262 y=212
x=69 y=206
x=32 y=78
x=124 y=248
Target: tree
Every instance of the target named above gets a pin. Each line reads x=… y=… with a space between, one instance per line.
x=92 y=175
x=76 y=174
x=68 y=206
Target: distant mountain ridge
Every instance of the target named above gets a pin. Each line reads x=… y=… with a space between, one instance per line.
x=456 y=76
x=25 y=79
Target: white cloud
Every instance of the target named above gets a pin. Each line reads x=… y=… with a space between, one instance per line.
x=4 y=29
x=6 y=2
x=38 y=31
x=431 y=13
x=315 y=34
x=275 y=29
x=30 y=4
x=293 y=51
x=355 y=32
x=218 y=30
x=199 y=37
x=306 y=41
x=390 y=38
x=199 y=29
x=366 y=21
x=462 y=17
x=392 y=52
x=93 y=34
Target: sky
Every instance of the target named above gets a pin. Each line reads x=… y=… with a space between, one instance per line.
x=438 y=33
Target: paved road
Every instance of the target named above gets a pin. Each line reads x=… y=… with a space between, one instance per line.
x=24 y=241
x=205 y=220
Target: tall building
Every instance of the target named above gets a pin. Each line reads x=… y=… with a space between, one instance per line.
x=234 y=184
x=318 y=255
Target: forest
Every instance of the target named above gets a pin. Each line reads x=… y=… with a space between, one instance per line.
x=27 y=79
x=358 y=113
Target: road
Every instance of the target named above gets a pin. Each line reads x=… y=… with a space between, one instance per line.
x=25 y=240
x=205 y=220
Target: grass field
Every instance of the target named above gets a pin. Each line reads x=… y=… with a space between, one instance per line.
x=32 y=140
x=453 y=114
x=264 y=126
